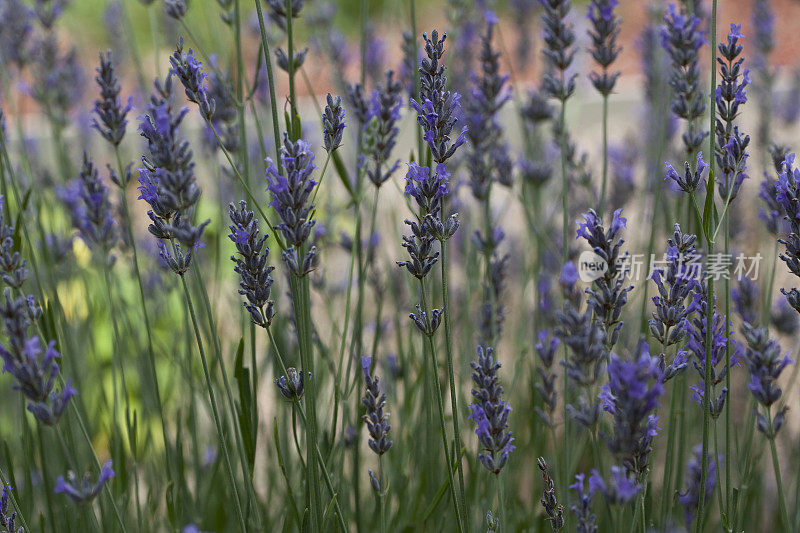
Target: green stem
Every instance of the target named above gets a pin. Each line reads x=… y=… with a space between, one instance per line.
x=501 y=504
x=776 y=467
x=605 y=156
x=440 y=405
x=271 y=81
x=214 y=409
x=448 y=335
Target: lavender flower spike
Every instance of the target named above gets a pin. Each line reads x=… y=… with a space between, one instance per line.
x=691 y=180
x=583 y=508
x=374 y=401
x=84 y=491
x=190 y=72
x=554 y=510
x=559 y=52
x=333 y=123
x=438 y=108
x=630 y=396
x=620 y=488
x=382 y=129
x=8 y=520
x=490 y=412
x=765 y=363
x=256 y=281
x=109 y=109
x=604 y=32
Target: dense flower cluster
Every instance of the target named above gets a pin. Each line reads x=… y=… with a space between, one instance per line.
x=333 y=123
x=8 y=520
x=604 y=32
x=546 y=349
x=487 y=155
x=731 y=93
x=167 y=181
x=630 y=396
x=190 y=73
x=675 y=302
x=374 y=401
x=682 y=38
x=291 y=199
x=554 y=510
x=765 y=362
x=437 y=108
x=696 y=346
x=610 y=293
x=109 y=109
x=490 y=412
x=559 y=39
x=383 y=117
x=256 y=281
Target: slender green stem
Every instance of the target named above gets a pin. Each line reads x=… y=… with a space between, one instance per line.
x=214 y=409
x=501 y=505
x=292 y=96
x=710 y=287
x=776 y=467
x=448 y=335
x=271 y=83
x=300 y=296
x=605 y=156
x=440 y=405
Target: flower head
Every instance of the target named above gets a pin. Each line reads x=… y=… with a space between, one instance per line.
x=84 y=491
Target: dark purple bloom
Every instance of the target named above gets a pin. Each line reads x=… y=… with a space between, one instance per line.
x=13 y=267
x=691 y=180
x=374 y=401
x=696 y=346
x=255 y=280
x=167 y=181
x=682 y=38
x=291 y=199
x=620 y=488
x=622 y=160
x=604 y=32
x=8 y=519
x=630 y=396
x=489 y=93
x=690 y=498
x=190 y=72
x=731 y=148
x=787 y=195
x=554 y=511
x=382 y=129
x=58 y=79
x=583 y=508
x=765 y=362
x=675 y=303
x=784 y=318
x=333 y=123
x=746 y=300
x=559 y=38
x=437 y=108
x=109 y=109
x=92 y=215
x=84 y=491
x=490 y=412
x=292 y=385
x=546 y=348
x=176 y=8
x=610 y=294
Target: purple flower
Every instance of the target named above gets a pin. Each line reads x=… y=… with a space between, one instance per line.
x=682 y=38
x=691 y=180
x=190 y=72
x=546 y=348
x=333 y=123
x=490 y=412
x=630 y=396
x=765 y=362
x=559 y=52
x=620 y=488
x=583 y=508
x=374 y=401
x=437 y=108
x=292 y=385
x=291 y=199
x=109 y=109
x=84 y=491
x=383 y=117
x=604 y=32
x=255 y=280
